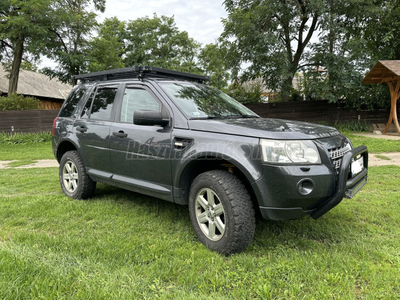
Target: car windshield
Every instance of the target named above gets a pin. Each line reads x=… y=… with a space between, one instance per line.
x=201 y=102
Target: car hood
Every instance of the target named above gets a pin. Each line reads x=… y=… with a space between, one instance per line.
x=264 y=128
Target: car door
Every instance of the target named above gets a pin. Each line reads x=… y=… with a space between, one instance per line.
x=93 y=130
x=140 y=155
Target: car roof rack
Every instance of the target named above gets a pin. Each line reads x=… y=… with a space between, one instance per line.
x=140 y=72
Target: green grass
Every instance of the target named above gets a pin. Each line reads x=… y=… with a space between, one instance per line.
x=122 y=245
x=26 y=151
x=374 y=145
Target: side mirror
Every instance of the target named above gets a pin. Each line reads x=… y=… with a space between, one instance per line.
x=149 y=118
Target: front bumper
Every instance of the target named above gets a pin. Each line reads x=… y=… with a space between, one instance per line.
x=290 y=192
x=347 y=187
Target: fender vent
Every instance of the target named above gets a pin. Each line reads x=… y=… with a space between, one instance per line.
x=182 y=143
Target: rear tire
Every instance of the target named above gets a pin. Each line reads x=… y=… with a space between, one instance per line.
x=74 y=180
x=221 y=212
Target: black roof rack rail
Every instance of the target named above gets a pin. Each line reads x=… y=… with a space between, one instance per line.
x=140 y=72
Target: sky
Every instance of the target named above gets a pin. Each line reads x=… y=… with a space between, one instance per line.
x=201 y=19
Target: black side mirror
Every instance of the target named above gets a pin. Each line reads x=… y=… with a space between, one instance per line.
x=149 y=118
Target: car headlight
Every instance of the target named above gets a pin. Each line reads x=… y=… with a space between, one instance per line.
x=289 y=152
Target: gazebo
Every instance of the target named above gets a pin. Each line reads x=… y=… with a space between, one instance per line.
x=387 y=71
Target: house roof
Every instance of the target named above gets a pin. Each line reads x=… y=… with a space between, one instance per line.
x=383 y=71
x=36 y=84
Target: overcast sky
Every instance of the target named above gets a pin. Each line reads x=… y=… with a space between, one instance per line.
x=201 y=19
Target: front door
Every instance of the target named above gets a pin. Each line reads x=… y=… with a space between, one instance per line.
x=140 y=155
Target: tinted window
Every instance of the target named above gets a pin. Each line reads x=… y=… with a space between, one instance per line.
x=72 y=101
x=86 y=110
x=103 y=103
x=137 y=99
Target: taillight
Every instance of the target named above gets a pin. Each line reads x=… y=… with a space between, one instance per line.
x=54 y=124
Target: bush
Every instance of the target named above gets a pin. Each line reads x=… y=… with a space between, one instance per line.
x=24 y=138
x=248 y=92
x=355 y=126
x=18 y=102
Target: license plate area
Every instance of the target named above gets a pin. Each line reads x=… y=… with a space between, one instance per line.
x=357 y=165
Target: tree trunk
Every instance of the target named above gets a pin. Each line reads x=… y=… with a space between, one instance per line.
x=16 y=64
x=286 y=87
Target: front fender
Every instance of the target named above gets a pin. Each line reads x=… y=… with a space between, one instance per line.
x=242 y=152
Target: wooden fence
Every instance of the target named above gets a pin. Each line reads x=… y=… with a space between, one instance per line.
x=320 y=112
x=27 y=120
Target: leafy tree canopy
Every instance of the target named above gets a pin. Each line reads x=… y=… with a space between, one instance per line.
x=158 y=42
x=23 y=25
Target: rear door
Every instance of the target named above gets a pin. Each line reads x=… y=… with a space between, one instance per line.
x=93 y=130
x=140 y=155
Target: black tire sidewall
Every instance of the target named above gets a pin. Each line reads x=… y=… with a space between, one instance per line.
x=227 y=244
x=85 y=184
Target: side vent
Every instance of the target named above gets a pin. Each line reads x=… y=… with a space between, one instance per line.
x=182 y=143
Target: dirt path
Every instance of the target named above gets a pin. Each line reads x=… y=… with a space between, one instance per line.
x=45 y=163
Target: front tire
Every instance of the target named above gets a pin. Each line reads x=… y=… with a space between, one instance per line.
x=74 y=180
x=221 y=212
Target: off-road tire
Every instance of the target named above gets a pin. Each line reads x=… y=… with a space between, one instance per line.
x=74 y=180
x=236 y=213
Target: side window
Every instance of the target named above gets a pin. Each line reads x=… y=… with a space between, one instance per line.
x=86 y=110
x=136 y=99
x=101 y=105
x=72 y=101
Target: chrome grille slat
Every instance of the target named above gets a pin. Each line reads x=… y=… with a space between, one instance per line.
x=337 y=154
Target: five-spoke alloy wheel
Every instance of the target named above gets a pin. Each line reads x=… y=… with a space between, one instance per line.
x=221 y=212
x=74 y=180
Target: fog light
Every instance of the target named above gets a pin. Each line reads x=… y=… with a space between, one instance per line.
x=305 y=186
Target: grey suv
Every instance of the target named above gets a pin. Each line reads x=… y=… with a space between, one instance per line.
x=168 y=135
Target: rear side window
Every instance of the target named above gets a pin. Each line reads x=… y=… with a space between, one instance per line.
x=70 y=104
x=102 y=104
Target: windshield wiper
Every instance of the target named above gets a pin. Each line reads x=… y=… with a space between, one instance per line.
x=209 y=117
x=249 y=116
x=225 y=117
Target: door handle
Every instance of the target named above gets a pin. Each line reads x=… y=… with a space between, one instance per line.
x=81 y=128
x=120 y=134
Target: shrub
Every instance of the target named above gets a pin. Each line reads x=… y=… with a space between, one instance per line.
x=355 y=126
x=24 y=138
x=248 y=92
x=18 y=102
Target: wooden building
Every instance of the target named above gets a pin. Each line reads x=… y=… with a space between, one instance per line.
x=50 y=92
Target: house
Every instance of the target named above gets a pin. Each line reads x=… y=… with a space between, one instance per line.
x=50 y=92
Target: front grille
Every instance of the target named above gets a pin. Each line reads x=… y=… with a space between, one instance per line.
x=337 y=155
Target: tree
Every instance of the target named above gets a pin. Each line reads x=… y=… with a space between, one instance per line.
x=359 y=32
x=211 y=60
x=382 y=41
x=338 y=60
x=106 y=50
x=23 y=26
x=70 y=31
x=158 y=42
x=271 y=37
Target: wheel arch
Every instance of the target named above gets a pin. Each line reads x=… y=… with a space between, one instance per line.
x=64 y=147
x=204 y=163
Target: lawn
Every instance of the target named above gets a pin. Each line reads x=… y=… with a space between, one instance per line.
x=374 y=145
x=122 y=245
